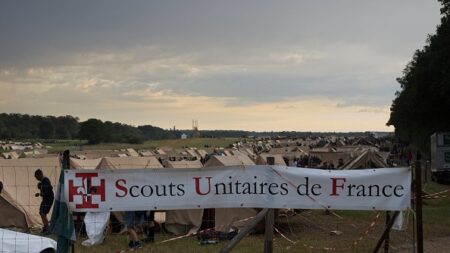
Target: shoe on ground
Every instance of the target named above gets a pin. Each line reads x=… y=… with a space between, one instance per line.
x=134 y=245
x=149 y=239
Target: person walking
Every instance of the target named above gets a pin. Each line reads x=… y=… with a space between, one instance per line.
x=46 y=192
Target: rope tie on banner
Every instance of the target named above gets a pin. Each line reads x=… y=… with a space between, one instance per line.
x=436 y=195
x=352 y=245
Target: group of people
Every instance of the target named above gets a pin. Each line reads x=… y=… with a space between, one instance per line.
x=404 y=153
x=307 y=161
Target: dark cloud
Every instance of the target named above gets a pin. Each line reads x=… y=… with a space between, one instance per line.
x=108 y=54
x=51 y=32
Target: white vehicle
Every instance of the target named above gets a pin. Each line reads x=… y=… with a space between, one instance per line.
x=440 y=157
x=12 y=241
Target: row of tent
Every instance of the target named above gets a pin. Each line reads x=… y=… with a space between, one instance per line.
x=20 y=208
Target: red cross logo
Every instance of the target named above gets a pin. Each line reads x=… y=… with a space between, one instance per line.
x=86 y=190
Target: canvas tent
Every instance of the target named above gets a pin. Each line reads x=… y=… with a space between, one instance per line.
x=94 y=154
x=248 y=152
x=226 y=218
x=202 y=153
x=368 y=159
x=227 y=152
x=129 y=163
x=183 y=221
x=146 y=153
x=11 y=155
x=331 y=157
x=262 y=159
x=84 y=164
x=160 y=152
x=192 y=153
x=216 y=161
x=18 y=205
x=132 y=152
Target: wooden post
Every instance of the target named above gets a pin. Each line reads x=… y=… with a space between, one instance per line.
x=386 y=240
x=66 y=159
x=66 y=166
x=268 y=239
x=270 y=220
x=418 y=195
x=247 y=229
x=386 y=231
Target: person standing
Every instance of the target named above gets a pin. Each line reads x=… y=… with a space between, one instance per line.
x=135 y=219
x=46 y=192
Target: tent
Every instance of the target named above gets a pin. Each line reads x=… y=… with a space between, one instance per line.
x=227 y=152
x=216 y=161
x=331 y=156
x=262 y=159
x=84 y=164
x=129 y=163
x=192 y=153
x=11 y=155
x=18 y=205
x=226 y=218
x=160 y=152
x=247 y=151
x=132 y=152
x=146 y=153
x=202 y=153
x=93 y=154
x=183 y=164
x=368 y=159
x=183 y=221
x=236 y=152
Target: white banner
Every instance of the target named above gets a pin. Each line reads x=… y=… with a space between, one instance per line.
x=238 y=186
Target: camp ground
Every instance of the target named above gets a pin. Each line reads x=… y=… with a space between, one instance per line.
x=20 y=206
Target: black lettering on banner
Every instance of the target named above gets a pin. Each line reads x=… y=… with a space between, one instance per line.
x=132 y=192
x=147 y=193
x=180 y=189
x=400 y=188
x=384 y=192
x=273 y=185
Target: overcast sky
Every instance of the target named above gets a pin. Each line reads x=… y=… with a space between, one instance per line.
x=255 y=65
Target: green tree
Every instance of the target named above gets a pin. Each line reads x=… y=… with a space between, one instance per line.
x=92 y=130
x=47 y=129
x=422 y=105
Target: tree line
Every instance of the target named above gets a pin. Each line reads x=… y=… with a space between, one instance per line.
x=422 y=105
x=23 y=126
x=29 y=127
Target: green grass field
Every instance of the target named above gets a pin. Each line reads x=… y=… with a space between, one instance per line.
x=310 y=231
x=177 y=144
